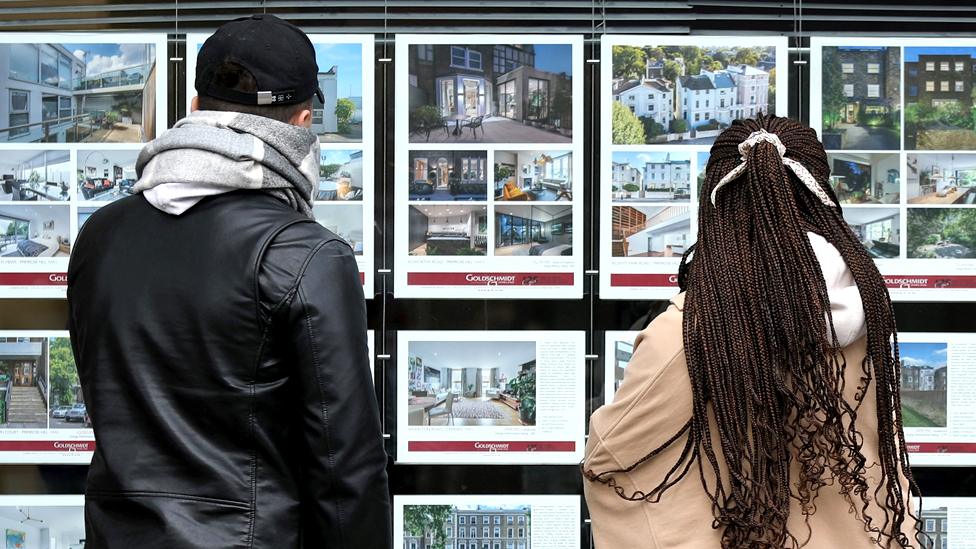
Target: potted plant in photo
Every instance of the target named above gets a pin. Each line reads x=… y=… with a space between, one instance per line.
x=524 y=390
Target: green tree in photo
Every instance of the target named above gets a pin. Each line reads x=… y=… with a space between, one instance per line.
x=344 y=111
x=427 y=522
x=746 y=56
x=327 y=171
x=627 y=128
x=63 y=374
x=628 y=62
x=672 y=70
x=771 y=106
x=832 y=92
x=693 y=58
x=652 y=128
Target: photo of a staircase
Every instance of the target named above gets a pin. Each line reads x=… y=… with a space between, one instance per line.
x=23 y=382
x=27 y=409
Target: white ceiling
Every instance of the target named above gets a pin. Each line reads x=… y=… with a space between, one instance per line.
x=947 y=161
x=861 y=216
x=444 y=211
x=59 y=519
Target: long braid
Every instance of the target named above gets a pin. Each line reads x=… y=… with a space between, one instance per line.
x=763 y=359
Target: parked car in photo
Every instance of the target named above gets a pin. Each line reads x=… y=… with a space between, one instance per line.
x=60 y=411
x=76 y=413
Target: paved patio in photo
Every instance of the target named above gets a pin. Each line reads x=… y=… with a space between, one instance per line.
x=496 y=130
x=870 y=138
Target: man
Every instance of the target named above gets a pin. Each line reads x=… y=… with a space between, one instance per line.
x=220 y=332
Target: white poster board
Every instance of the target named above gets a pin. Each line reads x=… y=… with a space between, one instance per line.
x=489 y=167
x=344 y=123
x=75 y=110
x=666 y=99
x=493 y=397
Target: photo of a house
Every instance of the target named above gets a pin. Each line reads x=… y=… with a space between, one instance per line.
x=863 y=178
x=345 y=220
x=457 y=229
x=924 y=383
x=688 y=94
x=861 y=96
x=340 y=175
x=77 y=93
x=448 y=175
x=939 y=98
x=534 y=176
x=472 y=383
x=67 y=402
x=35 y=231
x=490 y=93
x=935 y=524
x=650 y=231
x=105 y=175
x=23 y=382
x=533 y=230
x=35 y=174
x=340 y=118
x=941 y=233
x=503 y=526
x=64 y=524
x=878 y=230
x=941 y=178
x=651 y=177
x=702 y=167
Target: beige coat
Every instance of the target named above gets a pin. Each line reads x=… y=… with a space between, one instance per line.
x=652 y=404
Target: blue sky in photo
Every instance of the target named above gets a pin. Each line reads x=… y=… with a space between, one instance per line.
x=104 y=57
x=911 y=54
x=555 y=58
x=933 y=354
x=332 y=156
x=348 y=58
x=638 y=159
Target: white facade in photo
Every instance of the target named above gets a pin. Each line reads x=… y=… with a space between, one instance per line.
x=647 y=99
x=666 y=234
x=323 y=115
x=624 y=173
x=668 y=174
x=752 y=85
x=706 y=96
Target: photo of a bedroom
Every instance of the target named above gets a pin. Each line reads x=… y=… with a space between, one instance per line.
x=534 y=176
x=105 y=176
x=455 y=229
x=533 y=230
x=35 y=174
x=448 y=176
x=345 y=220
x=34 y=231
x=471 y=383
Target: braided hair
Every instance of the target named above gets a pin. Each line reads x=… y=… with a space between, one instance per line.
x=764 y=360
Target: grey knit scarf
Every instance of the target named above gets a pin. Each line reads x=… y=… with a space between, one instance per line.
x=212 y=152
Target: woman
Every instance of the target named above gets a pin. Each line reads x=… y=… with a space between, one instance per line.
x=761 y=410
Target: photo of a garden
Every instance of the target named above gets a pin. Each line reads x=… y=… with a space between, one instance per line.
x=939 y=112
x=861 y=98
x=941 y=233
x=924 y=382
x=688 y=94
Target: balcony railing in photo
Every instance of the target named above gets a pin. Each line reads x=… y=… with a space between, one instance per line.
x=129 y=76
x=78 y=128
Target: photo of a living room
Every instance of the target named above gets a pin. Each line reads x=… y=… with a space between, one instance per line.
x=448 y=176
x=39 y=231
x=471 y=383
x=345 y=220
x=533 y=230
x=534 y=176
x=863 y=178
x=650 y=231
x=878 y=230
x=941 y=178
x=35 y=174
x=457 y=229
x=106 y=175
x=340 y=175
x=34 y=525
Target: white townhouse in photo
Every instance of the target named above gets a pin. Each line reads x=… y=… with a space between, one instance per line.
x=323 y=115
x=753 y=89
x=706 y=96
x=668 y=174
x=651 y=98
x=624 y=174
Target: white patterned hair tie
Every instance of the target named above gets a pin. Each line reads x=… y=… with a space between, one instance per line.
x=799 y=169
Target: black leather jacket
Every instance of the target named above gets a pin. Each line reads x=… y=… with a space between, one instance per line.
x=223 y=358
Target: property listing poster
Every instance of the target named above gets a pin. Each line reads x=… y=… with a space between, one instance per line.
x=476 y=522
x=619 y=349
x=896 y=117
x=492 y=397
x=75 y=110
x=936 y=514
x=670 y=97
x=344 y=123
x=489 y=167
x=43 y=418
x=34 y=521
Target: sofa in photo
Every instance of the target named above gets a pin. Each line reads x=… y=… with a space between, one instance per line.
x=448 y=175
x=537 y=176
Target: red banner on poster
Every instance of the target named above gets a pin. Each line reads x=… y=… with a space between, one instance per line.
x=490 y=279
x=941 y=447
x=47 y=446
x=33 y=279
x=491 y=446
x=641 y=280
x=926 y=281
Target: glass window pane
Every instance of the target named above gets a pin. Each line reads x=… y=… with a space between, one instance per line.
x=23 y=62
x=64 y=72
x=49 y=66
x=49 y=107
x=19 y=100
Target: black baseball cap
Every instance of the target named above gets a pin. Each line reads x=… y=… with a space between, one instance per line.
x=278 y=54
